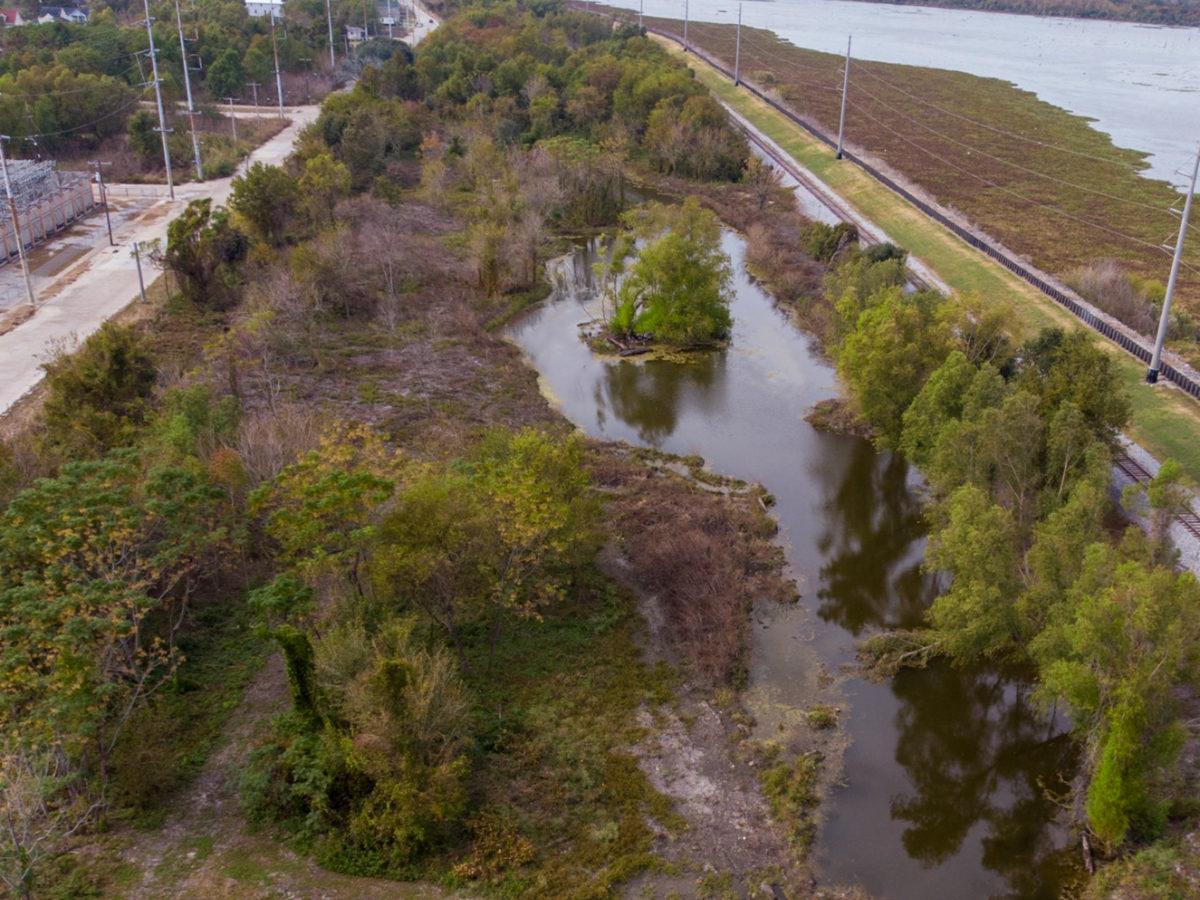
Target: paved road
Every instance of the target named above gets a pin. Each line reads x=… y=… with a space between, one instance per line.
x=103 y=282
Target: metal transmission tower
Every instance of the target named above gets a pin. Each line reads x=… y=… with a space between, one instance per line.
x=12 y=206
x=737 y=55
x=187 y=83
x=162 y=119
x=1156 y=359
x=845 y=88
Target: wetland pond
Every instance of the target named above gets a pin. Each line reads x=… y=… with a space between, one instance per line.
x=944 y=776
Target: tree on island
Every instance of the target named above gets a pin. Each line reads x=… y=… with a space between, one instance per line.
x=678 y=289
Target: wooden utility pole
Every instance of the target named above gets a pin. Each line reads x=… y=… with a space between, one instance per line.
x=254 y=86
x=233 y=120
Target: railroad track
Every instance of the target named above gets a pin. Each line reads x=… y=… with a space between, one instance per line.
x=836 y=209
x=1134 y=470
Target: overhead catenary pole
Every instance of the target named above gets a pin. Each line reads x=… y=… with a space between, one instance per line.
x=162 y=119
x=104 y=196
x=329 y=18
x=737 y=54
x=845 y=88
x=12 y=207
x=187 y=83
x=1156 y=360
x=278 y=77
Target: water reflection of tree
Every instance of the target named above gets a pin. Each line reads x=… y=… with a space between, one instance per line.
x=651 y=396
x=872 y=576
x=975 y=751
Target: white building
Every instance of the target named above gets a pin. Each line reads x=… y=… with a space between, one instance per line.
x=256 y=9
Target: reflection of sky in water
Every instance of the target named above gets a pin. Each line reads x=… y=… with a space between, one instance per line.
x=1140 y=83
x=943 y=798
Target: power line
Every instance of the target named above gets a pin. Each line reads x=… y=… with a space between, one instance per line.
x=1002 y=161
x=1013 y=193
x=1011 y=134
x=94 y=87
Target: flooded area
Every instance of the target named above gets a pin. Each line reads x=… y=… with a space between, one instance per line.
x=1140 y=83
x=942 y=794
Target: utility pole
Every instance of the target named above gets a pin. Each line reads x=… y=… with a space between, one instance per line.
x=137 y=255
x=233 y=119
x=278 y=78
x=1156 y=360
x=254 y=86
x=332 y=57
x=737 y=55
x=187 y=83
x=391 y=21
x=104 y=196
x=12 y=206
x=641 y=12
x=685 y=25
x=845 y=88
x=162 y=119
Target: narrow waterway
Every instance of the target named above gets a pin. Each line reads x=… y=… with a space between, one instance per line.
x=943 y=777
x=1140 y=83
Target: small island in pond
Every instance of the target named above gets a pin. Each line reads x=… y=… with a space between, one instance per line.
x=667 y=284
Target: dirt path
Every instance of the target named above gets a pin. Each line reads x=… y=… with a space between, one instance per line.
x=205 y=851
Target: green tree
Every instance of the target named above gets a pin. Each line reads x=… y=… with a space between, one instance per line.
x=1114 y=651
x=977 y=616
x=203 y=250
x=267 y=199
x=678 y=289
x=894 y=346
x=225 y=77
x=144 y=140
x=325 y=181
x=97 y=569
x=98 y=397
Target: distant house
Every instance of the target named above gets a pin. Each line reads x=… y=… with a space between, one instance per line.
x=72 y=14
x=256 y=9
x=12 y=18
x=356 y=33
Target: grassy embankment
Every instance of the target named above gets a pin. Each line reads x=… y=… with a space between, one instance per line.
x=1165 y=421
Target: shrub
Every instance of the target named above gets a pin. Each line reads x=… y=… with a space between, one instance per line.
x=99 y=396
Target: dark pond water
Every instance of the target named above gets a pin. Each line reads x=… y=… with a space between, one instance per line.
x=943 y=776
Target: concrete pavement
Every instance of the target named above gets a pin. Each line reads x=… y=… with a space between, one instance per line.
x=102 y=282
